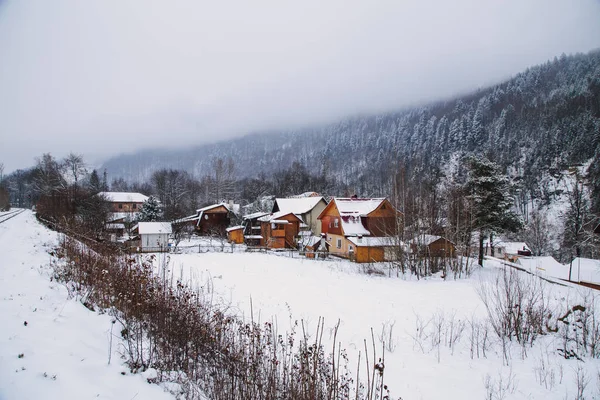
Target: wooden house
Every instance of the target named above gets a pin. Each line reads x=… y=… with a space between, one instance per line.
x=212 y=220
x=307 y=206
x=124 y=202
x=152 y=236
x=365 y=223
x=432 y=246
x=252 y=228
x=279 y=230
x=235 y=234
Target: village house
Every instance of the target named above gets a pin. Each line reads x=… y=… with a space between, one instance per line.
x=361 y=229
x=212 y=220
x=124 y=202
x=252 y=228
x=279 y=230
x=125 y=209
x=426 y=245
x=308 y=206
x=509 y=251
x=151 y=236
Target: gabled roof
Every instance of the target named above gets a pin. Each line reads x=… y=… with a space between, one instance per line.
x=234 y=228
x=426 y=240
x=124 y=197
x=352 y=210
x=297 y=205
x=357 y=206
x=375 y=241
x=207 y=208
x=255 y=215
x=277 y=217
x=149 y=228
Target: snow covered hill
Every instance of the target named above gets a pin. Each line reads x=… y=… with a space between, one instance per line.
x=52 y=347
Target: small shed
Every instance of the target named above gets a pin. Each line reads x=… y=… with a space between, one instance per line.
x=432 y=246
x=235 y=234
x=153 y=236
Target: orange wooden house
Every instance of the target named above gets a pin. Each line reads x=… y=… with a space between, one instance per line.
x=361 y=229
x=279 y=230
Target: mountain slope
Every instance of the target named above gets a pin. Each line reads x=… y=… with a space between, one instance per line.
x=542 y=120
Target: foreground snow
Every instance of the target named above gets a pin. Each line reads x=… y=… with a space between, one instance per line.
x=283 y=290
x=52 y=347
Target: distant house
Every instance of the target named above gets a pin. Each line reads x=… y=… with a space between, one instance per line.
x=350 y=223
x=235 y=234
x=152 y=236
x=432 y=246
x=279 y=230
x=124 y=206
x=124 y=202
x=307 y=206
x=510 y=251
x=212 y=220
x=252 y=228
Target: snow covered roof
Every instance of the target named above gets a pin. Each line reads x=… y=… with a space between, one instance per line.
x=307 y=194
x=126 y=216
x=357 y=206
x=585 y=270
x=276 y=217
x=253 y=237
x=115 y=226
x=203 y=209
x=124 y=197
x=255 y=215
x=297 y=205
x=425 y=240
x=149 y=228
x=513 y=247
x=352 y=226
x=374 y=241
x=233 y=228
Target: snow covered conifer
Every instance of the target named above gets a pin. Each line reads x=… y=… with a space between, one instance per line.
x=151 y=210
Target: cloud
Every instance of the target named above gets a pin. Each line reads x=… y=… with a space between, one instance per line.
x=106 y=77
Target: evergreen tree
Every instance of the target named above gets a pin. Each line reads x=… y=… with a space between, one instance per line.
x=94 y=185
x=491 y=201
x=151 y=210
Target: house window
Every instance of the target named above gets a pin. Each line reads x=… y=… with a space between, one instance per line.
x=134 y=206
x=350 y=249
x=335 y=222
x=120 y=205
x=339 y=243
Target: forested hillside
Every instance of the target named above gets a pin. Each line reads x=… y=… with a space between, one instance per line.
x=543 y=120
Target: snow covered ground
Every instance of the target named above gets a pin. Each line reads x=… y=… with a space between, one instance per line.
x=52 y=347
x=281 y=289
x=62 y=352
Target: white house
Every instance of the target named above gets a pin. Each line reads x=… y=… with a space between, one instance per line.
x=153 y=236
x=306 y=206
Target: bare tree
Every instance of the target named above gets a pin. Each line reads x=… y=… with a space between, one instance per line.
x=75 y=165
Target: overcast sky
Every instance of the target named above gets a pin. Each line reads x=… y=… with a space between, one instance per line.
x=105 y=77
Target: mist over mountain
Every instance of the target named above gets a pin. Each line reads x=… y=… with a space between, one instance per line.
x=544 y=119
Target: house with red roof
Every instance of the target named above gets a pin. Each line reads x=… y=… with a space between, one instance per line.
x=361 y=229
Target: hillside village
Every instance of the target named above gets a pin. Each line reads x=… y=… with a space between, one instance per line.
x=362 y=230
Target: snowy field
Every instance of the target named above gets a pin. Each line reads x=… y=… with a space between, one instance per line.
x=283 y=290
x=52 y=347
